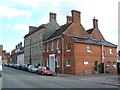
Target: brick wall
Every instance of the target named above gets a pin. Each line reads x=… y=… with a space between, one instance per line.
x=82 y=55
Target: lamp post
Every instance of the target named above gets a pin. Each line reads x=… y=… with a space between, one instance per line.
x=30 y=52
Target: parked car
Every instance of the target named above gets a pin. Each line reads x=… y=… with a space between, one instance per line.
x=25 y=67
x=17 y=66
x=32 y=68
x=44 y=70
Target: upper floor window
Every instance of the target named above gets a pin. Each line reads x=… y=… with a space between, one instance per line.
x=108 y=63
x=43 y=48
x=57 y=45
x=47 y=47
x=68 y=46
x=68 y=63
x=47 y=64
x=52 y=45
x=111 y=51
x=89 y=48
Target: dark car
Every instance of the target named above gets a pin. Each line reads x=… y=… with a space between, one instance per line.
x=44 y=71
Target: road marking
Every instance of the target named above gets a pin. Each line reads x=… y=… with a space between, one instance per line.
x=55 y=85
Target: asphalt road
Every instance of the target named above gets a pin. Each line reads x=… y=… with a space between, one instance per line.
x=13 y=78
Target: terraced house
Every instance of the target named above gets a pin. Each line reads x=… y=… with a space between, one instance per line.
x=74 y=50
x=33 y=41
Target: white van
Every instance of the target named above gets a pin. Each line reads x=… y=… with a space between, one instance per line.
x=0 y=63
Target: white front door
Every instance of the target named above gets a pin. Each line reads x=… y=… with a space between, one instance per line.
x=52 y=62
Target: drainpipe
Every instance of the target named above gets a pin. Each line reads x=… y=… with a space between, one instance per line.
x=62 y=54
x=102 y=53
x=102 y=61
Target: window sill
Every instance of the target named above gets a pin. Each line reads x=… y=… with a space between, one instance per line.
x=89 y=51
x=68 y=50
x=68 y=66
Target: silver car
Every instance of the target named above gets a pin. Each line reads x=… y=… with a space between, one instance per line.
x=32 y=68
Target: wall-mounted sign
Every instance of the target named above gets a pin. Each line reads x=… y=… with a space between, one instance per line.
x=85 y=62
x=58 y=51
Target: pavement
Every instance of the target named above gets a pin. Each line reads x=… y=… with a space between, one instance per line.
x=108 y=79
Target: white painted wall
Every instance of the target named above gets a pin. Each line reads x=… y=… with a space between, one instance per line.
x=20 y=59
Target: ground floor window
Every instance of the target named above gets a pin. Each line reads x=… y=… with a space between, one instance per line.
x=108 y=63
x=47 y=64
x=67 y=63
x=58 y=61
x=114 y=64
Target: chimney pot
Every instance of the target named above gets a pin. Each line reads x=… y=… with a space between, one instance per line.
x=32 y=28
x=52 y=17
x=95 y=23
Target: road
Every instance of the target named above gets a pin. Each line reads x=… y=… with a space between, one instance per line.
x=13 y=78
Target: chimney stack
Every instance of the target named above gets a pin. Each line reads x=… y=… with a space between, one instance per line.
x=95 y=23
x=76 y=16
x=52 y=17
x=32 y=28
x=20 y=44
x=69 y=19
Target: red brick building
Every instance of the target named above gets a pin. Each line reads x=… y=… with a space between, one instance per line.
x=74 y=50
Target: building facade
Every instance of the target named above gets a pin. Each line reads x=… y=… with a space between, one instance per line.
x=20 y=56
x=33 y=41
x=1 y=50
x=74 y=50
x=5 y=57
x=19 y=49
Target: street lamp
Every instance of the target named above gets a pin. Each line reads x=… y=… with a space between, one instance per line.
x=30 y=52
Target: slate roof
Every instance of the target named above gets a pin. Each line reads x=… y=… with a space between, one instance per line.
x=38 y=28
x=94 y=41
x=59 y=31
x=90 y=30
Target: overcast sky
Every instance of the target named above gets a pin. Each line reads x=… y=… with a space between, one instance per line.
x=17 y=15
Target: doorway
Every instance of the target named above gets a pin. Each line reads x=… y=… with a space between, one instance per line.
x=52 y=62
x=95 y=66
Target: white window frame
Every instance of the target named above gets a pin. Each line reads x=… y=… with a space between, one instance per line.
x=67 y=63
x=108 y=64
x=58 y=61
x=47 y=47
x=111 y=51
x=57 y=44
x=89 y=48
x=52 y=45
x=114 y=64
x=47 y=64
x=68 y=43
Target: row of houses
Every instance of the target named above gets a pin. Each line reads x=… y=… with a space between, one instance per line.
x=68 y=48
x=4 y=55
